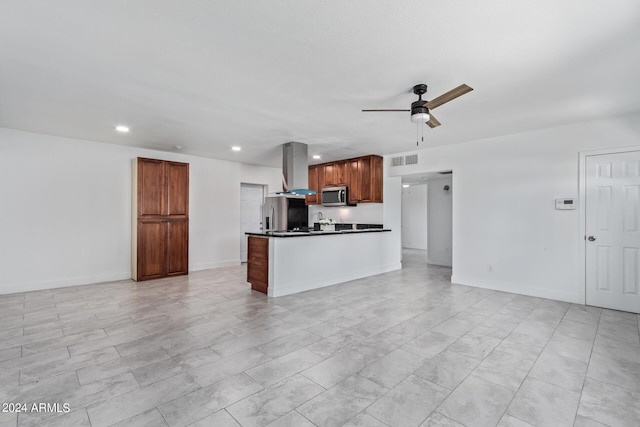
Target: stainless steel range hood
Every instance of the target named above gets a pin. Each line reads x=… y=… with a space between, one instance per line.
x=295 y=168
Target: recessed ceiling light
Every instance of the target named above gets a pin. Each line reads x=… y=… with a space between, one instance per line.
x=315 y=156
x=122 y=129
x=177 y=147
x=236 y=148
x=405 y=185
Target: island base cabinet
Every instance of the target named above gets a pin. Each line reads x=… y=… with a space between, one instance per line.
x=258 y=263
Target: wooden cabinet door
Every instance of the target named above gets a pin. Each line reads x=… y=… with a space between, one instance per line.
x=177 y=246
x=354 y=179
x=151 y=248
x=329 y=174
x=376 y=179
x=364 y=167
x=322 y=182
x=340 y=173
x=313 y=185
x=177 y=188
x=151 y=187
x=258 y=263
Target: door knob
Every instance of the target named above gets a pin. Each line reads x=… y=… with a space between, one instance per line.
x=591 y=238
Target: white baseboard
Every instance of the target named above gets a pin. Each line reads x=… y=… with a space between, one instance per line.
x=438 y=262
x=41 y=285
x=517 y=289
x=211 y=265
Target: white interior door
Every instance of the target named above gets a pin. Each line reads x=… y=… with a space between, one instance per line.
x=613 y=231
x=251 y=200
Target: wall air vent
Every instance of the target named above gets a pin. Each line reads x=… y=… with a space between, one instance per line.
x=411 y=159
x=397 y=161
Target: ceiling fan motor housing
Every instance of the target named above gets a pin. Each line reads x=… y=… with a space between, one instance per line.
x=418 y=107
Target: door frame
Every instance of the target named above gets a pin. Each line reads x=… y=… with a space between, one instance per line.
x=582 y=208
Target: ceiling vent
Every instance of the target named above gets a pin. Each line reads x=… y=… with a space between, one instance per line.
x=411 y=159
x=397 y=161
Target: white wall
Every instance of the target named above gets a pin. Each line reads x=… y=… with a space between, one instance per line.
x=66 y=206
x=440 y=222
x=392 y=217
x=503 y=205
x=414 y=217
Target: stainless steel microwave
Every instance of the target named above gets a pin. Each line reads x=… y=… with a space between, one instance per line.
x=334 y=196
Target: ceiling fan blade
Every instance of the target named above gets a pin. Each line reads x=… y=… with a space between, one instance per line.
x=433 y=122
x=369 y=111
x=446 y=97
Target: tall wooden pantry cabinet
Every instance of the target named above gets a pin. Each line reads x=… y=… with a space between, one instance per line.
x=160 y=231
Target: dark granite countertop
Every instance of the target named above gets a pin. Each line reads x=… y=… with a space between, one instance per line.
x=315 y=233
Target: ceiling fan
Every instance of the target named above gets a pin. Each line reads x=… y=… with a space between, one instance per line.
x=420 y=108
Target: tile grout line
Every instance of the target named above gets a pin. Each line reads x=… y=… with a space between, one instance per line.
x=227 y=412
x=413 y=373
x=588 y=363
x=534 y=364
x=471 y=373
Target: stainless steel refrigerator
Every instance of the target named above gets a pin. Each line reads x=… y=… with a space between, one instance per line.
x=284 y=213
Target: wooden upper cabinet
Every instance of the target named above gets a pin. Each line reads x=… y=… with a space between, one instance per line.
x=321 y=180
x=313 y=199
x=151 y=187
x=329 y=174
x=178 y=188
x=334 y=173
x=340 y=173
x=363 y=175
x=377 y=179
x=354 y=179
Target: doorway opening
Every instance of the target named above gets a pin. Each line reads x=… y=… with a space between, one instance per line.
x=251 y=202
x=427 y=217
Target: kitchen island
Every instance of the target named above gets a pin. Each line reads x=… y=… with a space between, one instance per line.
x=284 y=263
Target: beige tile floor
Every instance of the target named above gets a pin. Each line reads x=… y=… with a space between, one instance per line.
x=405 y=348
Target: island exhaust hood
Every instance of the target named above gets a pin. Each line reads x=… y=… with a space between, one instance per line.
x=295 y=169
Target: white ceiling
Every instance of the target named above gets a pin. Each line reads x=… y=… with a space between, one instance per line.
x=210 y=74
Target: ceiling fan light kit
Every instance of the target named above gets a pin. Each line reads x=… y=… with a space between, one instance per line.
x=422 y=116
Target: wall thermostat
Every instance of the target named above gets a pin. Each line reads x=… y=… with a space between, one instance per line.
x=565 y=204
